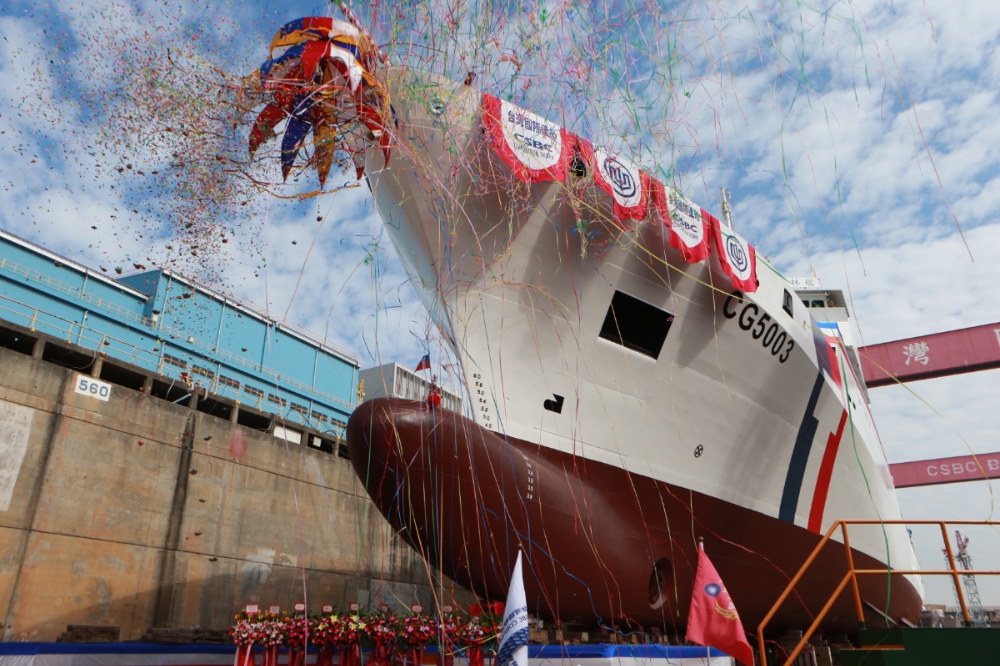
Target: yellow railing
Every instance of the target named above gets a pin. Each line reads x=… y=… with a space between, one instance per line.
x=852 y=577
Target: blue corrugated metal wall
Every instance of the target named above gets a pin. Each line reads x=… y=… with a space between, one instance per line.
x=162 y=322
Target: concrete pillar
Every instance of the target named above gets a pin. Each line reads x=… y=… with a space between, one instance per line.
x=38 y=349
x=147 y=385
x=163 y=611
x=95 y=370
x=193 y=400
x=234 y=415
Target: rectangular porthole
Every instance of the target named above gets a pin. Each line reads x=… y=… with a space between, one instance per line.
x=636 y=325
x=786 y=304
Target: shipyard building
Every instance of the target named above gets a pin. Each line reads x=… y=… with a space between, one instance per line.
x=170 y=454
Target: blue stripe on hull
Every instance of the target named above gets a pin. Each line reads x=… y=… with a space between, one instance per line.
x=800 y=456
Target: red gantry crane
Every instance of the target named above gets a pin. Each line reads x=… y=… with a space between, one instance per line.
x=926 y=357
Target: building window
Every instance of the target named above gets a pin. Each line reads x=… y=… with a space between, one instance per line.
x=322 y=418
x=636 y=325
x=257 y=393
x=276 y=400
x=204 y=372
x=173 y=360
x=231 y=383
x=304 y=411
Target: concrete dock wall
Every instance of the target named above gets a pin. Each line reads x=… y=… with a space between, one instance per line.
x=139 y=513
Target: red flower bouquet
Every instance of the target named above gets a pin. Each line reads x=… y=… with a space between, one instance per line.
x=415 y=633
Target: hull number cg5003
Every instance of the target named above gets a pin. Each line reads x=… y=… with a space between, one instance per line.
x=753 y=318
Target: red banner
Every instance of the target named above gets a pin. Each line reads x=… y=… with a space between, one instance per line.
x=619 y=177
x=535 y=149
x=738 y=258
x=687 y=227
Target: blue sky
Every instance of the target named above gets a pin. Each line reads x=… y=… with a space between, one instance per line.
x=857 y=138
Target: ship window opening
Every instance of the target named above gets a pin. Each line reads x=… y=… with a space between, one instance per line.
x=786 y=304
x=805 y=302
x=818 y=304
x=636 y=325
x=661 y=583
x=554 y=405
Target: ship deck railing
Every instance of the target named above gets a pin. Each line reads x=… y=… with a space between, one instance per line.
x=852 y=577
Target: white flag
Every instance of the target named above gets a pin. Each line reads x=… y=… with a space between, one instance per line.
x=514 y=635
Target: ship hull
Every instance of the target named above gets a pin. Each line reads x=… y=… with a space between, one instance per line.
x=602 y=547
x=744 y=418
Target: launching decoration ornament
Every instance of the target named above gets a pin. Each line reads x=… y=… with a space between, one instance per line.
x=322 y=81
x=319 y=80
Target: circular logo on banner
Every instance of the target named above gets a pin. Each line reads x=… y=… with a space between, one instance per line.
x=737 y=257
x=620 y=177
x=713 y=590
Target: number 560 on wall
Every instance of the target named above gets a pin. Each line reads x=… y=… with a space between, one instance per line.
x=93 y=388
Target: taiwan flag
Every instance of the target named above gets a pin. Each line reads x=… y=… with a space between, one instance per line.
x=425 y=363
x=712 y=620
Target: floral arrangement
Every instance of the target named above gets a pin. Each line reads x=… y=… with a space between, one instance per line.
x=351 y=629
x=391 y=636
x=383 y=629
x=482 y=628
x=324 y=631
x=297 y=629
x=418 y=630
x=261 y=628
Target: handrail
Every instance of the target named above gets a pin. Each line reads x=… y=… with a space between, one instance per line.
x=279 y=322
x=852 y=576
x=172 y=334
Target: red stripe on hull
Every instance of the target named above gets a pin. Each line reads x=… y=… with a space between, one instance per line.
x=825 y=474
x=592 y=533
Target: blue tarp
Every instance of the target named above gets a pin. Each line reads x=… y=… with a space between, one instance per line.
x=609 y=651
x=553 y=652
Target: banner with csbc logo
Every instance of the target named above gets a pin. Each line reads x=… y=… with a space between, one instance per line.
x=535 y=149
x=687 y=224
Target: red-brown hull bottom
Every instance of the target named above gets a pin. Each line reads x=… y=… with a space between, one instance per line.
x=591 y=533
